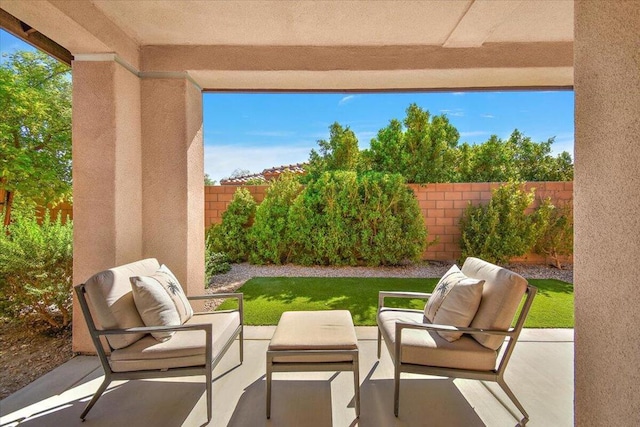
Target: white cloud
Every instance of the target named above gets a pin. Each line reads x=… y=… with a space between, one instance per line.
x=488 y=116
x=365 y=136
x=221 y=160
x=346 y=99
x=457 y=93
x=473 y=133
x=276 y=133
x=458 y=112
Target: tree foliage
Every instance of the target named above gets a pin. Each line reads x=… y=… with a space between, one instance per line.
x=208 y=180
x=340 y=152
x=232 y=235
x=36 y=268
x=340 y=218
x=269 y=232
x=35 y=127
x=343 y=218
x=517 y=158
x=503 y=229
x=423 y=150
x=556 y=236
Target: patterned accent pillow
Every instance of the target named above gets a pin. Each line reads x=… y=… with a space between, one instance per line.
x=177 y=294
x=454 y=301
x=154 y=304
x=160 y=301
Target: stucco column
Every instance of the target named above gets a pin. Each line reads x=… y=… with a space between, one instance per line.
x=607 y=212
x=173 y=178
x=107 y=180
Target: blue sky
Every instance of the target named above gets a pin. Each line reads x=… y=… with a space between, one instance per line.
x=255 y=131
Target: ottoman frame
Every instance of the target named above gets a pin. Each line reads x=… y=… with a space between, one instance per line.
x=305 y=359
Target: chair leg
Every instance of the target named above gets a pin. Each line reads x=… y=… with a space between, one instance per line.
x=96 y=396
x=209 y=380
x=356 y=384
x=268 y=387
x=515 y=401
x=379 y=342
x=396 y=391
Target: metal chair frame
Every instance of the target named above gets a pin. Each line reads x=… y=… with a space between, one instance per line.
x=495 y=375
x=205 y=369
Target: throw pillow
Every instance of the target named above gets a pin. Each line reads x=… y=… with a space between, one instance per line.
x=154 y=304
x=176 y=293
x=160 y=300
x=454 y=301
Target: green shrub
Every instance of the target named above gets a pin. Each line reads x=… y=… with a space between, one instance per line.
x=232 y=235
x=36 y=268
x=556 y=235
x=346 y=219
x=502 y=229
x=216 y=263
x=268 y=233
x=390 y=223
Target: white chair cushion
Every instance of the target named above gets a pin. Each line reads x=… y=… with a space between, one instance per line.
x=454 y=302
x=501 y=295
x=184 y=349
x=422 y=347
x=111 y=300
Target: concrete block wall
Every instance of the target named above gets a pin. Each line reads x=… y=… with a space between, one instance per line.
x=442 y=206
x=217 y=198
x=63 y=208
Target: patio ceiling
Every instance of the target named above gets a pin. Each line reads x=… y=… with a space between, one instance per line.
x=323 y=45
x=465 y=23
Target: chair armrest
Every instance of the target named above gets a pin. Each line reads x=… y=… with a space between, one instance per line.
x=396 y=294
x=206 y=327
x=224 y=295
x=448 y=328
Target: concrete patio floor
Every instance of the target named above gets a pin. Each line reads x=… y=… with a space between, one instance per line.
x=540 y=374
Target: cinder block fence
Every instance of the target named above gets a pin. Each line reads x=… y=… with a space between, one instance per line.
x=442 y=206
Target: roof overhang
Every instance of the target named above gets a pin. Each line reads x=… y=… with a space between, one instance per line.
x=320 y=45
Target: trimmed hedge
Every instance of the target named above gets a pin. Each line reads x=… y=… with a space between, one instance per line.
x=270 y=244
x=344 y=218
x=232 y=235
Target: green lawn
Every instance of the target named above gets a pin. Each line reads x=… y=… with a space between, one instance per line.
x=265 y=298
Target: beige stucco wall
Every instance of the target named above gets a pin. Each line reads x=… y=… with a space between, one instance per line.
x=607 y=232
x=107 y=180
x=607 y=247
x=173 y=170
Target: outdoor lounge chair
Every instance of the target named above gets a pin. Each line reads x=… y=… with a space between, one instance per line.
x=416 y=346
x=192 y=348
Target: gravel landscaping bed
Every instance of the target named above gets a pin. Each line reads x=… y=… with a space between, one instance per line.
x=240 y=273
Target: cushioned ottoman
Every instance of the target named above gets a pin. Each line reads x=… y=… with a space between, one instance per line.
x=314 y=341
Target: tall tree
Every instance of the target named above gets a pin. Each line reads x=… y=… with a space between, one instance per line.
x=340 y=152
x=491 y=161
x=423 y=150
x=35 y=129
x=516 y=158
x=208 y=180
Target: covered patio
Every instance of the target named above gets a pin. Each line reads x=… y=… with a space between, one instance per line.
x=540 y=374
x=139 y=69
